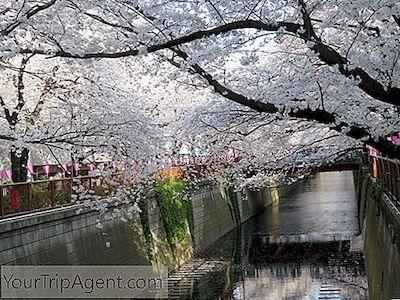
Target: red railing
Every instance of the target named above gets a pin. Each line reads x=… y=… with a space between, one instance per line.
x=25 y=197
x=386 y=170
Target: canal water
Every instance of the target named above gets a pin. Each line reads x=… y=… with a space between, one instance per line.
x=303 y=246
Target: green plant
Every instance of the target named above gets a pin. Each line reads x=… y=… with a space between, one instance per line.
x=99 y=190
x=41 y=196
x=377 y=190
x=7 y=206
x=62 y=197
x=43 y=178
x=229 y=194
x=176 y=209
x=142 y=200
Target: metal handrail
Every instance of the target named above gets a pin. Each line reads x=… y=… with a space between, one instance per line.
x=28 y=192
x=386 y=170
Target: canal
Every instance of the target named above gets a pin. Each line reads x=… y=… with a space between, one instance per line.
x=306 y=245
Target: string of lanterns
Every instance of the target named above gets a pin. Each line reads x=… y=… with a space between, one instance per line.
x=66 y=168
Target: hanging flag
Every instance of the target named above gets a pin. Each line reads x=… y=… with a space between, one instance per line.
x=46 y=169
x=8 y=174
x=76 y=166
x=65 y=168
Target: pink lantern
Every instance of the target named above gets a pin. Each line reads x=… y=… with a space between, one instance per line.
x=100 y=166
x=46 y=169
x=76 y=166
x=395 y=140
x=65 y=167
x=8 y=174
x=372 y=150
x=91 y=167
x=30 y=169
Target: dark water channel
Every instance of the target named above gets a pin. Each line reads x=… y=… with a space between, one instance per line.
x=303 y=246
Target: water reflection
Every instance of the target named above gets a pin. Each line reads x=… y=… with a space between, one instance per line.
x=298 y=248
x=296 y=270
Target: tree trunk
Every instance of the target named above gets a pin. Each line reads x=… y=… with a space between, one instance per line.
x=18 y=164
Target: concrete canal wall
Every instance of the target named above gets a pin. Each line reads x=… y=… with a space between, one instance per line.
x=63 y=237
x=380 y=220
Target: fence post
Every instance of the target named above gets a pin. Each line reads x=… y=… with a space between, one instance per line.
x=393 y=178
x=30 y=196
x=2 y=204
x=374 y=167
x=52 y=193
x=70 y=187
x=370 y=161
x=397 y=181
x=387 y=174
x=382 y=169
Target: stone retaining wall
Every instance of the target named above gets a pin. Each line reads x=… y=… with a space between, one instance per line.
x=380 y=220
x=61 y=236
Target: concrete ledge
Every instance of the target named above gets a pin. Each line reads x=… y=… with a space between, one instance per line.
x=61 y=236
x=38 y=217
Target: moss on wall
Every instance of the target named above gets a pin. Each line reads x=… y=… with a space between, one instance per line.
x=382 y=255
x=176 y=209
x=229 y=194
x=143 y=203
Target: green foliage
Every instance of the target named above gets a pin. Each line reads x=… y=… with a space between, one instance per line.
x=232 y=276
x=41 y=196
x=43 y=178
x=99 y=190
x=62 y=197
x=7 y=205
x=144 y=220
x=176 y=209
x=377 y=190
x=229 y=194
x=103 y=190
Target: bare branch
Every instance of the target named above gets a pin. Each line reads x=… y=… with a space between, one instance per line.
x=33 y=11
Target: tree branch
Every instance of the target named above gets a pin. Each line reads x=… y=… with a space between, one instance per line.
x=33 y=11
x=319 y=115
x=326 y=53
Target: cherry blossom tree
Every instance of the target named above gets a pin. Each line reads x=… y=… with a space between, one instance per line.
x=328 y=64
x=66 y=111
